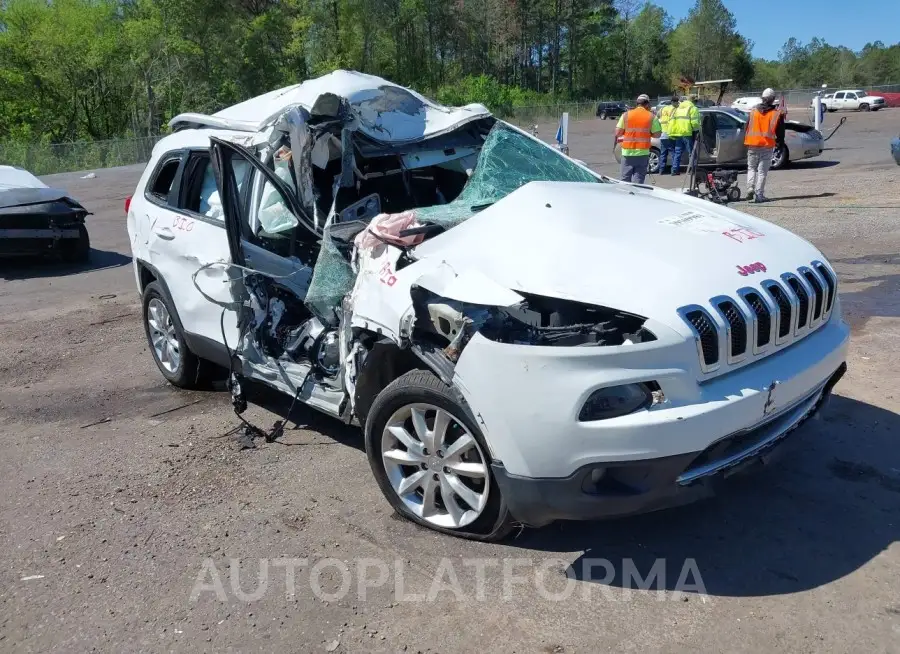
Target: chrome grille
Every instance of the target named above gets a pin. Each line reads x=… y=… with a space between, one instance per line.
x=708 y=336
x=803 y=297
x=758 y=321
x=737 y=328
x=784 y=308
x=825 y=274
x=763 y=318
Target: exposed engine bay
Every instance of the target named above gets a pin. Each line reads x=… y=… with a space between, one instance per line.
x=538 y=321
x=369 y=204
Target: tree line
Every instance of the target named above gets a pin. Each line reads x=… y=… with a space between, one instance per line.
x=99 y=69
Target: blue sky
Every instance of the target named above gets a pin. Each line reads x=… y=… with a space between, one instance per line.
x=769 y=23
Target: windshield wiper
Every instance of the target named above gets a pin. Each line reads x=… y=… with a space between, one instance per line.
x=481 y=207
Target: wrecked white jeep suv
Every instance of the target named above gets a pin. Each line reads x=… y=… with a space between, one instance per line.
x=523 y=340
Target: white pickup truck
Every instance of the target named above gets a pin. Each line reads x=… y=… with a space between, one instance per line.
x=854 y=99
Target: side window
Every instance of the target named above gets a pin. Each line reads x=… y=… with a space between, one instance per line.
x=201 y=195
x=724 y=121
x=839 y=96
x=277 y=224
x=164 y=177
x=852 y=96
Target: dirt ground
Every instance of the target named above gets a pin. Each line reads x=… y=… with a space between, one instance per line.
x=123 y=501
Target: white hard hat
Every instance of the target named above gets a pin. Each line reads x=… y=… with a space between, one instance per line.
x=643 y=97
x=768 y=94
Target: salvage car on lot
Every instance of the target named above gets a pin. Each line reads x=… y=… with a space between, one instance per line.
x=521 y=339
x=611 y=110
x=722 y=129
x=36 y=219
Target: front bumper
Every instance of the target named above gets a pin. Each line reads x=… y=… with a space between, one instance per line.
x=20 y=242
x=632 y=487
x=527 y=399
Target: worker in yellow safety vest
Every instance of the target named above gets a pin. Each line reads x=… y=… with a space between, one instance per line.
x=636 y=127
x=666 y=144
x=683 y=126
x=765 y=131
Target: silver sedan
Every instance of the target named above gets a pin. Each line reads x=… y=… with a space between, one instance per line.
x=723 y=135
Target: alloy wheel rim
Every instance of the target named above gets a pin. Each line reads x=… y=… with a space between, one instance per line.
x=162 y=335
x=435 y=465
x=653 y=163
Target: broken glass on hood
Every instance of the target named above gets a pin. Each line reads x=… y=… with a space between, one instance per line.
x=508 y=160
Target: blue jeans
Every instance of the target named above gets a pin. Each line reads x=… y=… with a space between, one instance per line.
x=666 y=145
x=682 y=144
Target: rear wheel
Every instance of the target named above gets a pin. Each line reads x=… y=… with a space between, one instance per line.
x=430 y=459
x=174 y=359
x=602 y=115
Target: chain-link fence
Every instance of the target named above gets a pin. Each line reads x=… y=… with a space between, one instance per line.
x=46 y=159
x=525 y=117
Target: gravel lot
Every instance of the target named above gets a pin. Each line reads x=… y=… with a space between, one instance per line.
x=117 y=492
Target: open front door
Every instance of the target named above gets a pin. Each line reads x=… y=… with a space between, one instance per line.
x=267 y=229
x=267 y=234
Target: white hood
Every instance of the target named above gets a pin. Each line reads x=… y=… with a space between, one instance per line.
x=386 y=112
x=12 y=177
x=644 y=251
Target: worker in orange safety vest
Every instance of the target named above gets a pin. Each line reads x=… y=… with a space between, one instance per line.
x=765 y=132
x=636 y=127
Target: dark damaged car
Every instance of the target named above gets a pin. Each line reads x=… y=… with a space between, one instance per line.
x=36 y=219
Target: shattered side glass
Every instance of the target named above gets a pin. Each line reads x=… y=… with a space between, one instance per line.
x=274 y=215
x=332 y=279
x=508 y=160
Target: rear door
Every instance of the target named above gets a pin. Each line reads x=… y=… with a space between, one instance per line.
x=730 y=147
x=181 y=239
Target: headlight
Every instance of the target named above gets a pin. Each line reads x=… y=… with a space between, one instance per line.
x=615 y=401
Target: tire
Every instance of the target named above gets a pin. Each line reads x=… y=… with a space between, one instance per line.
x=603 y=116
x=734 y=194
x=177 y=363
x=864 y=106
x=78 y=250
x=780 y=158
x=653 y=163
x=422 y=392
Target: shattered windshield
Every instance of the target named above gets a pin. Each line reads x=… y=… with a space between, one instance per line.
x=508 y=160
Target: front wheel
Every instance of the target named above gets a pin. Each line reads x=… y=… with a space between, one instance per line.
x=780 y=157
x=864 y=107
x=653 y=163
x=431 y=461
